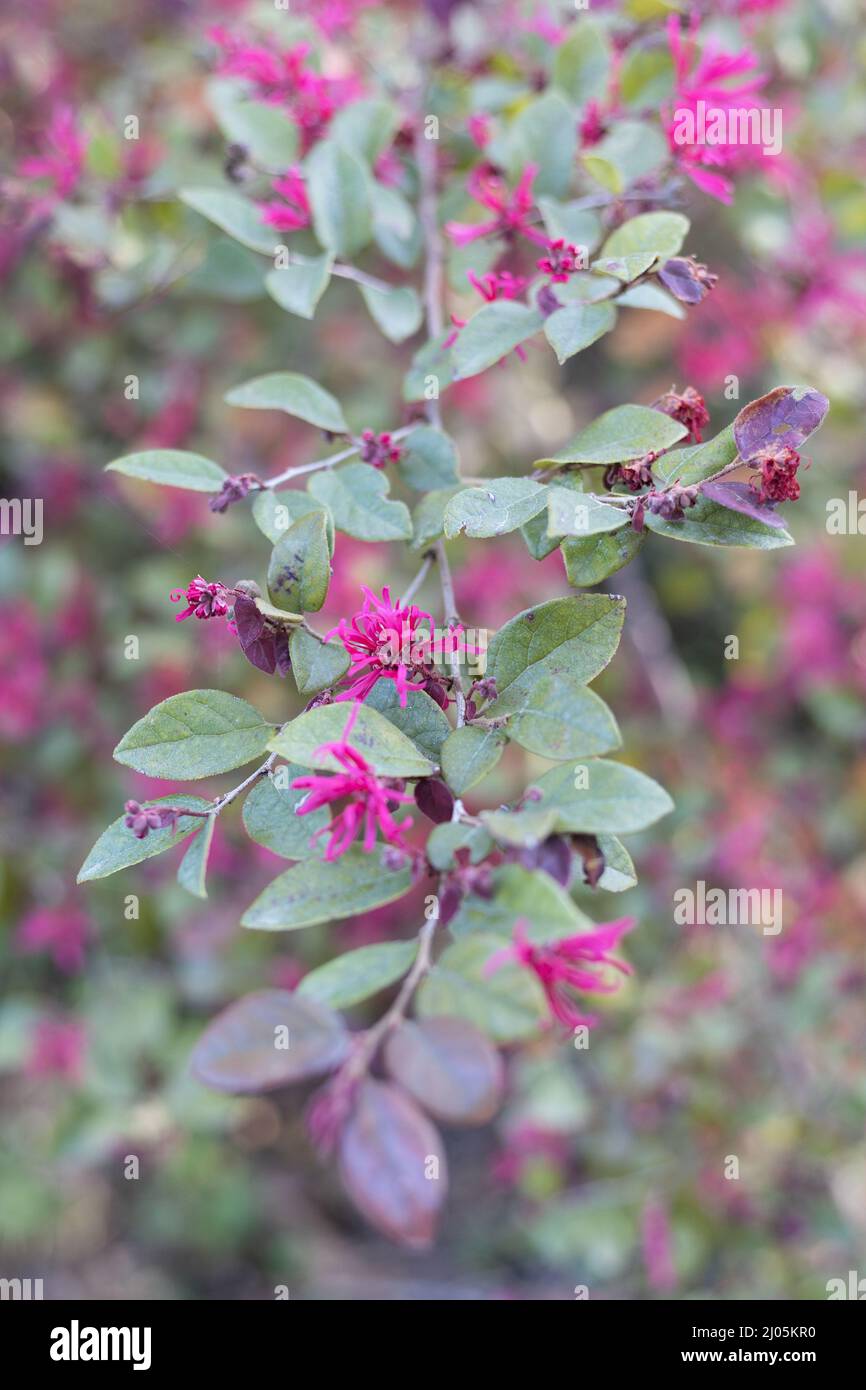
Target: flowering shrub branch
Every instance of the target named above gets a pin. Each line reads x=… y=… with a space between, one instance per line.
x=397 y=712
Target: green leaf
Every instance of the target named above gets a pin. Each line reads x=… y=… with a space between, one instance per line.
x=520 y=894
x=241 y=1049
x=508 y=1005
x=171 y=468
x=570 y=222
x=316 y=665
x=589 y=287
x=429 y=459
x=491 y=334
x=646 y=76
x=365 y=128
x=581 y=65
x=528 y=828
x=389 y=752
x=707 y=523
x=468 y=754
x=597 y=796
x=299 y=286
x=275 y=512
x=538 y=542
x=268 y=134
x=618 y=874
x=661 y=233
x=577 y=326
x=556 y=716
x=395 y=227
x=295 y=394
x=338 y=187
x=397 y=312
x=630 y=151
x=117 y=848
x=578 y=635
x=269 y=815
x=313 y=892
x=233 y=214
x=571 y=513
x=420 y=719
x=652 y=297
x=625 y=268
x=698 y=462
x=357 y=495
x=626 y=432
x=497 y=507
x=454 y=835
x=192 y=874
x=589 y=561
x=544 y=133
x=357 y=975
x=196 y=734
x=428 y=517
x=300 y=567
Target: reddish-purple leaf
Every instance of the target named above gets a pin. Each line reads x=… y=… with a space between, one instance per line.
x=392 y=1162
x=678 y=275
x=256 y=639
x=740 y=497
x=450 y=1068
x=268 y=1039
x=434 y=799
x=787 y=415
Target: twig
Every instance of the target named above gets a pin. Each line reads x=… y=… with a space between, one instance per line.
x=429 y=559
x=373 y=1038
x=329 y=462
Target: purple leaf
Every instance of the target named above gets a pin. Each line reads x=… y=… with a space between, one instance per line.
x=268 y=1039
x=392 y=1163
x=787 y=415
x=679 y=277
x=255 y=637
x=449 y=1067
x=740 y=497
x=434 y=799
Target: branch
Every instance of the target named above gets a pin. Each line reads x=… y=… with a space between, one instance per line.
x=328 y=462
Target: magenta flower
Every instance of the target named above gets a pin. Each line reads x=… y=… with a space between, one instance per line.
x=497 y=284
x=60 y=931
x=56 y=1049
x=561 y=966
x=62 y=156
x=204 y=600
x=512 y=208
x=369 y=799
x=561 y=261
x=379 y=449
x=292 y=211
x=686 y=406
x=720 y=81
x=388 y=641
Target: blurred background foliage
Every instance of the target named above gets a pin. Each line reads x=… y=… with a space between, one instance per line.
x=606 y=1167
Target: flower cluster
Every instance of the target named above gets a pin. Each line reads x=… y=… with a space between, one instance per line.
x=686 y=406
x=388 y=640
x=379 y=449
x=778 y=481
x=204 y=600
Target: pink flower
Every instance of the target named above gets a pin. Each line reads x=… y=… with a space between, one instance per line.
x=60 y=931
x=497 y=284
x=561 y=261
x=282 y=78
x=62 y=156
x=379 y=449
x=778 y=464
x=512 y=208
x=293 y=212
x=204 y=600
x=592 y=126
x=56 y=1049
x=561 y=966
x=721 y=81
x=387 y=641
x=369 y=799
x=479 y=130
x=688 y=407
